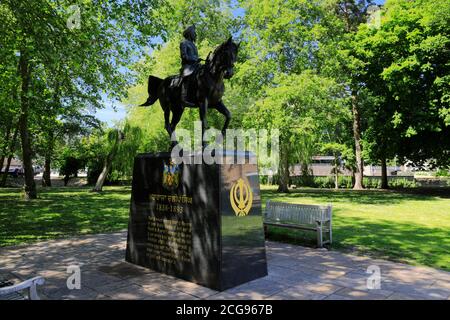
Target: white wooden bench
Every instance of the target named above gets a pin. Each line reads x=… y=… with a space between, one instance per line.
x=300 y=216
x=10 y=291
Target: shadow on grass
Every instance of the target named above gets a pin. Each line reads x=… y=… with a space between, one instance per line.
x=63 y=190
x=359 y=197
x=62 y=212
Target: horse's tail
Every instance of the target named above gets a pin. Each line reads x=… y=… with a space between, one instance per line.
x=153 y=85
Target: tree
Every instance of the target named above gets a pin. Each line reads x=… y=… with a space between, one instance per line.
x=302 y=107
x=10 y=150
x=9 y=89
x=70 y=167
x=418 y=78
x=91 y=57
x=284 y=43
x=54 y=132
x=115 y=137
x=351 y=14
x=405 y=71
x=121 y=147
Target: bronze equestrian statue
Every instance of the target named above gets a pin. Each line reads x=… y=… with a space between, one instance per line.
x=201 y=85
x=189 y=61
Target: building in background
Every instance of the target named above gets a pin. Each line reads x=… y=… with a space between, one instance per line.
x=323 y=166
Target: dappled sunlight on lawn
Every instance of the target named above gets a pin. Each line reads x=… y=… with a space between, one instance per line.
x=61 y=212
x=402 y=226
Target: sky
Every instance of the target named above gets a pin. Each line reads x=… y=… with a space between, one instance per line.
x=114 y=111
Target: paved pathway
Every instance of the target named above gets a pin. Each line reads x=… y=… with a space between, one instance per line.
x=294 y=273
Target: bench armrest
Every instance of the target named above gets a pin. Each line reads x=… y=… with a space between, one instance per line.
x=29 y=284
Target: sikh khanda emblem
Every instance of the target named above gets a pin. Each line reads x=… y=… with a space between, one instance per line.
x=241 y=197
x=171 y=176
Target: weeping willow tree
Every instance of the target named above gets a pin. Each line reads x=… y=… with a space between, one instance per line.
x=122 y=145
x=306 y=141
x=301 y=107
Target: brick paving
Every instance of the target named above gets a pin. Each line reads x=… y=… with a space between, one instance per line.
x=295 y=272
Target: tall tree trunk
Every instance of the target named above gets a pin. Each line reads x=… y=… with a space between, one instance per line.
x=108 y=164
x=5 y=175
x=46 y=175
x=46 y=180
x=359 y=173
x=336 y=172
x=284 y=172
x=2 y=160
x=102 y=177
x=384 y=179
x=350 y=26
x=30 y=185
x=4 y=150
x=12 y=147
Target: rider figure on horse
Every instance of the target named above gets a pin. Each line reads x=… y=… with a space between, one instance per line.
x=189 y=61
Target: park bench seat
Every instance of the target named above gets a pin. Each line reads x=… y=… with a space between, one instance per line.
x=11 y=291
x=300 y=216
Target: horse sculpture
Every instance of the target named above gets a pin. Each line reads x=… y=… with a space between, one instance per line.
x=205 y=88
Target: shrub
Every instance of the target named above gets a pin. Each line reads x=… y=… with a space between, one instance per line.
x=346 y=182
x=305 y=181
x=69 y=167
x=442 y=173
x=372 y=183
x=265 y=179
x=402 y=183
x=323 y=182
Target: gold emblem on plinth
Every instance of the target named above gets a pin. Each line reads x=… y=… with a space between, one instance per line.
x=171 y=176
x=241 y=197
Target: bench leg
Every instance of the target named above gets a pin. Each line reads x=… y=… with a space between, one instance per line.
x=331 y=235
x=32 y=293
x=319 y=235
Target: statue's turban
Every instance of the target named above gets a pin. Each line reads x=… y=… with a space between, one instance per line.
x=189 y=32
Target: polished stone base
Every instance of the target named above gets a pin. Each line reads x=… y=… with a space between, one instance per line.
x=198 y=222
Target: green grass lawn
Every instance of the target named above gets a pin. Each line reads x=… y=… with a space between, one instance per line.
x=410 y=227
x=400 y=226
x=61 y=212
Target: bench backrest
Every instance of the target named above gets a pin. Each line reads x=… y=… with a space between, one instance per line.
x=11 y=292
x=296 y=213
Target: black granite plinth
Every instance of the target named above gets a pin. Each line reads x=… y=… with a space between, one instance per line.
x=198 y=222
